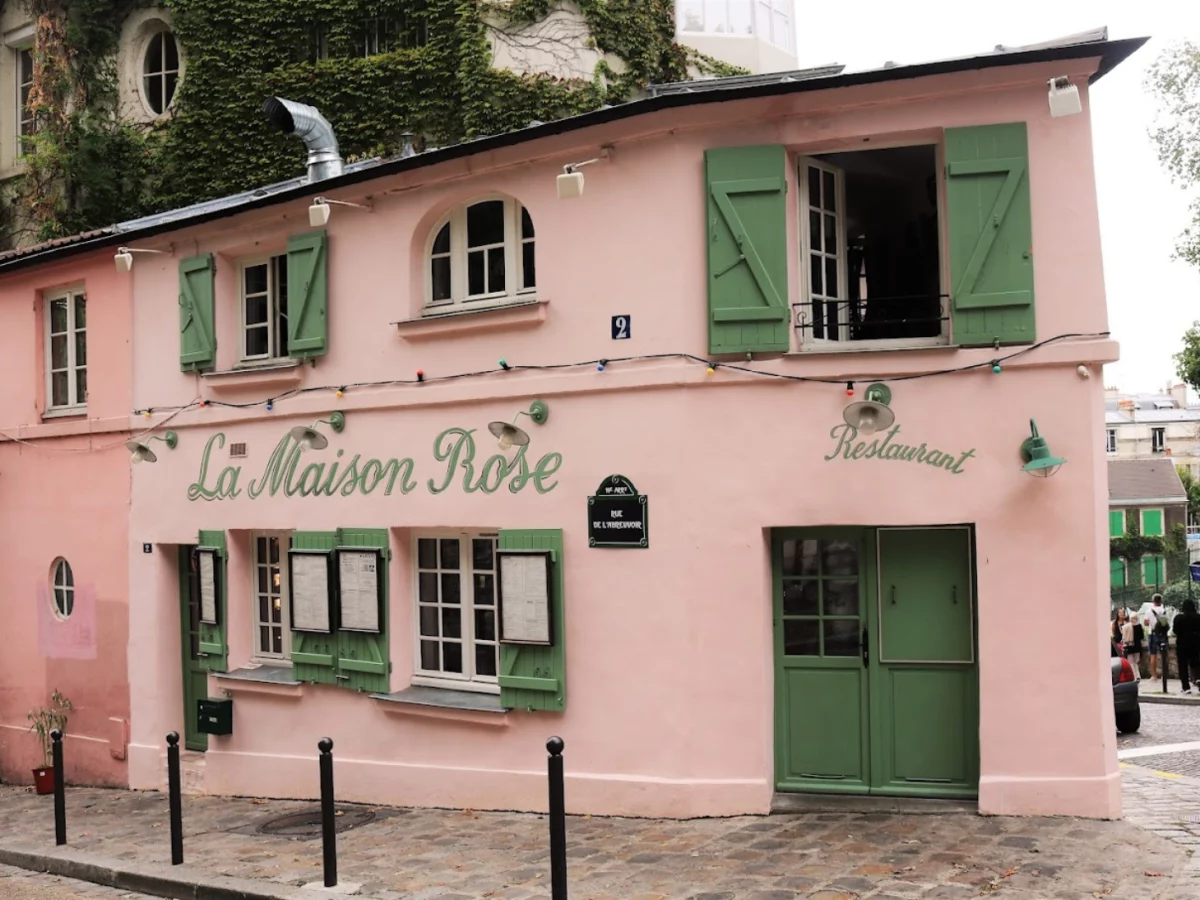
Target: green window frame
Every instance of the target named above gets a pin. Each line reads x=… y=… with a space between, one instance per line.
x=1116 y=572
x=1153 y=570
x=1153 y=523
x=1116 y=523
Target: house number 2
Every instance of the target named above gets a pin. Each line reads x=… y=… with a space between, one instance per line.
x=621 y=327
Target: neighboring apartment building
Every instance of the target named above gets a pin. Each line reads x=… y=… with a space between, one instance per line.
x=408 y=419
x=1147 y=492
x=1153 y=426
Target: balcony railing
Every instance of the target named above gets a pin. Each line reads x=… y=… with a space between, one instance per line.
x=874 y=319
x=770 y=20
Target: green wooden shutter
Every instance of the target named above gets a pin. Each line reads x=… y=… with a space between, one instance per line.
x=214 y=648
x=991 y=235
x=314 y=656
x=1116 y=573
x=536 y=677
x=747 y=249
x=363 y=659
x=308 y=291
x=1152 y=522
x=1153 y=571
x=197 y=314
x=1116 y=523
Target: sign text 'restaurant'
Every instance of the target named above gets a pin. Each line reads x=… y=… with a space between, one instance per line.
x=884 y=448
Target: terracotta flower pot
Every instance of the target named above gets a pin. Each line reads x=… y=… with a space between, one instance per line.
x=43 y=779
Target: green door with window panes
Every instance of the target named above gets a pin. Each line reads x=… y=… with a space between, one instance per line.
x=876 y=679
x=195 y=673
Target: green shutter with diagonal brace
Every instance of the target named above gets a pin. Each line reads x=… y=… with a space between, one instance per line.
x=991 y=235
x=314 y=656
x=214 y=648
x=197 y=315
x=746 y=198
x=308 y=292
x=363 y=659
x=535 y=678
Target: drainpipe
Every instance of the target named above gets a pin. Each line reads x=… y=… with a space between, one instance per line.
x=307 y=123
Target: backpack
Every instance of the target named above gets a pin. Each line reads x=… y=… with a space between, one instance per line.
x=1161 y=625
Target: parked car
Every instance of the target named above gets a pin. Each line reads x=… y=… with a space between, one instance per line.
x=1125 y=693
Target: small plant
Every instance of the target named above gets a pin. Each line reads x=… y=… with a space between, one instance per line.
x=45 y=719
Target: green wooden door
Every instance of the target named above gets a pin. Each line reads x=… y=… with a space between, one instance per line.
x=821 y=695
x=195 y=675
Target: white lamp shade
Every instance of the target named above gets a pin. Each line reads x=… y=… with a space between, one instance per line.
x=1064 y=100
x=318 y=214
x=508 y=435
x=570 y=184
x=309 y=438
x=124 y=261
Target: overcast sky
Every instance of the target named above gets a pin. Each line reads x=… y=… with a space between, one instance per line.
x=1152 y=298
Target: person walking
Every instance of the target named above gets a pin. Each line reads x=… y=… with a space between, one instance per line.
x=1132 y=635
x=1187 y=645
x=1154 y=618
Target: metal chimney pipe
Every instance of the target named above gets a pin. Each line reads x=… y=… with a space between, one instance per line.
x=307 y=123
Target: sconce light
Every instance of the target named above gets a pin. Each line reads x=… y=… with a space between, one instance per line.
x=570 y=182
x=319 y=212
x=510 y=434
x=872 y=413
x=309 y=438
x=1036 y=454
x=1064 y=97
x=141 y=449
x=124 y=257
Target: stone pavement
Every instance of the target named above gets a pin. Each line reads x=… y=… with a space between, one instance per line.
x=463 y=855
x=1152 y=692
x=20 y=884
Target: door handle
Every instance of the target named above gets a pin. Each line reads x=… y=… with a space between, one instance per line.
x=865 y=653
x=893 y=595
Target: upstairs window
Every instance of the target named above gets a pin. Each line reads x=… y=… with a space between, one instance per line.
x=25 y=118
x=482 y=254
x=1158 y=440
x=1111 y=444
x=160 y=71
x=871 y=264
x=64 y=589
x=66 y=352
x=271 y=629
x=264 y=309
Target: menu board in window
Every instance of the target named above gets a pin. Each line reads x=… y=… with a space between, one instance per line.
x=309 y=585
x=524 y=597
x=359 y=594
x=210 y=586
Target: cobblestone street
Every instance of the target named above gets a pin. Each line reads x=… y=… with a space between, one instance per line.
x=19 y=884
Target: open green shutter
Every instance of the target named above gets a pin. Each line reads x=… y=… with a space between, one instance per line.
x=214 y=648
x=1153 y=571
x=197 y=315
x=745 y=191
x=1152 y=522
x=1116 y=573
x=308 y=291
x=314 y=656
x=991 y=235
x=1116 y=523
x=536 y=677
x=363 y=659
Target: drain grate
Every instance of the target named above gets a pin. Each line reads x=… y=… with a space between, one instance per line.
x=307 y=822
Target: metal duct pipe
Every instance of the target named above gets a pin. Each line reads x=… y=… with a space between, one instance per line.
x=307 y=123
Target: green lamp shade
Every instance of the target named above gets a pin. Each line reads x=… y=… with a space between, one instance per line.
x=1037 y=456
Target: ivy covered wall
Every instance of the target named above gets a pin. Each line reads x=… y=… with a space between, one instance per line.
x=428 y=71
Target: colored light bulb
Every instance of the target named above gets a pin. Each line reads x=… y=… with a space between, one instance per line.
x=996 y=368
x=710 y=371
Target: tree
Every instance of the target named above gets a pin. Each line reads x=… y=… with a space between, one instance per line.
x=1192 y=487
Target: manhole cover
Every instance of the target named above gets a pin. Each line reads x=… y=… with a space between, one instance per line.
x=307 y=823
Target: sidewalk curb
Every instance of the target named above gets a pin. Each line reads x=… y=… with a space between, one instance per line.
x=1167 y=699
x=172 y=882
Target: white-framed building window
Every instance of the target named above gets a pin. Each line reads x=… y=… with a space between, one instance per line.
x=66 y=351
x=481 y=254
x=456 y=612
x=62 y=588
x=1158 y=440
x=160 y=71
x=26 y=123
x=770 y=20
x=272 y=630
x=264 y=306
x=1111 y=444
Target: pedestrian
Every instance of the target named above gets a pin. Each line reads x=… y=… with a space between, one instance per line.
x=1187 y=644
x=1154 y=619
x=1118 y=627
x=1132 y=635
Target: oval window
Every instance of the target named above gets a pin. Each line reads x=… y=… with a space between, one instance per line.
x=64 y=588
x=160 y=71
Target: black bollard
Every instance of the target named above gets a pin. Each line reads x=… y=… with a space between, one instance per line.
x=176 y=801
x=558 y=822
x=328 y=838
x=60 y=794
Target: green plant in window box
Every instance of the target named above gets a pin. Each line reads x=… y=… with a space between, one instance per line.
x=45 y=719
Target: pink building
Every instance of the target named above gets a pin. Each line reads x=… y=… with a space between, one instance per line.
x=351 y=530
x=64 y=475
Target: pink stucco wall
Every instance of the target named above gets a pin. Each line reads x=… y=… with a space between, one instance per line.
x=64 y=492
x=669 y=672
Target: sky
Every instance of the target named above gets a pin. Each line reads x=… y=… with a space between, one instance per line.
x=1152 y=298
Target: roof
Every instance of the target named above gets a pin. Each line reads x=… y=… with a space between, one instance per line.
x=660 y=97
x=1151 y=416
x=1134 y=480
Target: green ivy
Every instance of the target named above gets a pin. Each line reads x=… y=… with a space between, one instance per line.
x=1134 y=545
x=85 y=168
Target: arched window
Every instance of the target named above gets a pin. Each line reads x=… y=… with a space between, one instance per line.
x=63 y=597
x=481 y=254
x=160 y=71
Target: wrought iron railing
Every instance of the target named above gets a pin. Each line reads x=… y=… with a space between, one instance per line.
x=875 y=318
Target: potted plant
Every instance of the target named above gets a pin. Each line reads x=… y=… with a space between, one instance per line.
x=44 y=720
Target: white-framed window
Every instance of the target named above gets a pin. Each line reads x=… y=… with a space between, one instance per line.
x=24 y=71
x=160 y=71
x=66 y=351
x=770 y=20
x=1111 y=443
x=272 y=630
x=1158 y=440
x=62 y=586
x=871 y=259
x=481 y=254
x=456 y=611
x=264 y=305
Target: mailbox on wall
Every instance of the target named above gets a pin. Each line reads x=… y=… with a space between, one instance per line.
x=214 y=716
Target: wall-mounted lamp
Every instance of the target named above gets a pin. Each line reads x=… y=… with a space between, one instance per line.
x=510 y=434
x=871 y=413
x=309 y=438
x=570 y=182
x=124 y=257
x=1035 y=452
x=319 y=212
x=1064 y=97
x=141 y=449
